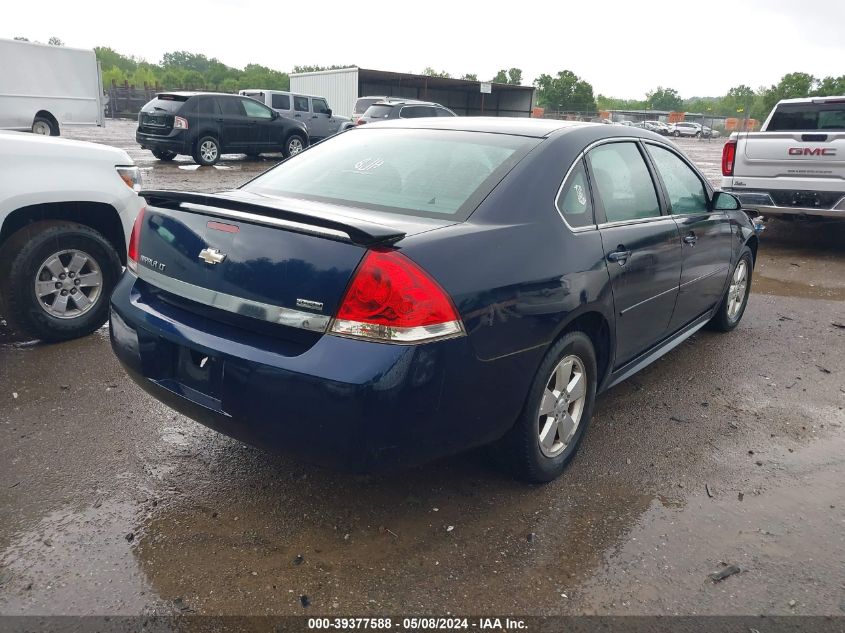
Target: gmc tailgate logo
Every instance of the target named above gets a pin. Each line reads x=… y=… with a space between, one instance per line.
x=812 y=151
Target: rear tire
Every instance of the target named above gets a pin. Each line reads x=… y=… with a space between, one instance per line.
x=730 y=310
x=207 y=151
x=528 y=450
x=293 y=145
x=676 y=134
x=163 y=154
x=44 y=126
x=70 y=297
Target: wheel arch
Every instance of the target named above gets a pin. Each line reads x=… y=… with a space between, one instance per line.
x=45 y=114
x=99 y=216
x=596 y=326
x=753 y=243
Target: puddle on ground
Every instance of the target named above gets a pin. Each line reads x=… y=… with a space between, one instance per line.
x=801 y=289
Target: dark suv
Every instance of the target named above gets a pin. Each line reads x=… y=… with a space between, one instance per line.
x=208 y=124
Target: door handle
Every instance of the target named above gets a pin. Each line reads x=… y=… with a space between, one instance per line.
x=315 y=117
x=620 y=255
x=298 y=115
x=220 y=120
x=690 y=239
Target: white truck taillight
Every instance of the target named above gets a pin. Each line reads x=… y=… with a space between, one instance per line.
x=391 y=299
x=728 y=158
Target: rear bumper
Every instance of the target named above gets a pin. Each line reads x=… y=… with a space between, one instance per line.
x=763 y=203
x=344 y=403
x=175 y=142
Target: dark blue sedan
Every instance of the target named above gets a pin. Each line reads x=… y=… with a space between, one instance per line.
x=416 y=288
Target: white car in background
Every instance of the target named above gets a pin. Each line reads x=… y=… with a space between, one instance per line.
x=66 y=213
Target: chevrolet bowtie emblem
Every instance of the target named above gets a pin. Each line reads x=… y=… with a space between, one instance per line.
x=212 y=256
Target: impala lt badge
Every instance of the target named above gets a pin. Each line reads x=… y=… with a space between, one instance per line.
x=212 y=256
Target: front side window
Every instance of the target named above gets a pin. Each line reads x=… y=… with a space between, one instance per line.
x=428 y=173
x=320 y=106
x=444 y=112
x=256 y=110
x=300 y=104
x=686 y=192
x=574 y=199
x=622 y=182
x=281 y=102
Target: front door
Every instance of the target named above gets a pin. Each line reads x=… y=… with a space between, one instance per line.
x=641 y=245
x=705 y=236
x=261 y=124
x=322 y=124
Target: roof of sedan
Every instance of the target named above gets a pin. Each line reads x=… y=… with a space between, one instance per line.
x=537 y=128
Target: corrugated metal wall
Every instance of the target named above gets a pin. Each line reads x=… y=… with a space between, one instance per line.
x=339 y=87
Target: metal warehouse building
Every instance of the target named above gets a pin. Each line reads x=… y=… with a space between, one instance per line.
x=343 y=86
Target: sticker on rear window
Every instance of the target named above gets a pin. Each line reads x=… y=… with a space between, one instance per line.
x=368 y=164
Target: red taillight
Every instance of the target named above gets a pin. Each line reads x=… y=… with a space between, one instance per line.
x=392 y=299
x=134 y=250
x=728 y=156
x=360 y=122
x=179 y=123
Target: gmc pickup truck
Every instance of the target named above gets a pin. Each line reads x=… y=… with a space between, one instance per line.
x=795 y=165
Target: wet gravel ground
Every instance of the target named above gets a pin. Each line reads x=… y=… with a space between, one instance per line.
x=729 y=450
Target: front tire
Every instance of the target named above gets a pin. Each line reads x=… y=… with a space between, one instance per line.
x=676 y=134
x=733 y=305
x=207 y=151
x=56 y=279
x=44 y=126
x=556 y=413
x=293 y=146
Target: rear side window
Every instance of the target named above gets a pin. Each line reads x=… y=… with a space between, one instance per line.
x=416 y=112
x=230 y=106
x=574 y=199
x=622 y=182
x=808 y=116
x=207 y=105
x=256 y=110
x=281 y=102
x=300 y=104
x=378 y=111
x=429 y=173
x=686 y=192
x=165 y=103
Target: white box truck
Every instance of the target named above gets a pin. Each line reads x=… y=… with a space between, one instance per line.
x=44 y=88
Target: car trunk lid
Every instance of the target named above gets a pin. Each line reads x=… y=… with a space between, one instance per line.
x=258 y=259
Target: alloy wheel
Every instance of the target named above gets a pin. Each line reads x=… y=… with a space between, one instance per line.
x=562 y=406
x=737 y=290
x=294 y=146
x=208 y=151
x=68 y=284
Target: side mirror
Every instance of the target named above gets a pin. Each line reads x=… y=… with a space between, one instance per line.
x=275 y=115
x=329 y=112
x=724 y=201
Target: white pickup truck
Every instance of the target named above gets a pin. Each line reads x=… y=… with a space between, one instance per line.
x=66 y=211
x=795 y=165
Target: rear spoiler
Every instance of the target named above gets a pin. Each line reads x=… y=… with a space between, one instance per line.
x=336 y=227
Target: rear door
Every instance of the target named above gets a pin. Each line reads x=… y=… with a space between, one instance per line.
x=705 y=235
x=281 y=103
x=235 y=132
x=641 y=244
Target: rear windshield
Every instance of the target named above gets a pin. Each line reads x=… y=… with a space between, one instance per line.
x=165 y=103
x=362 y=104
x=808 y=116
x=429 y=173
x=378 y=111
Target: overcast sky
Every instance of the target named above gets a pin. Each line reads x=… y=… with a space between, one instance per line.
x=698 y=48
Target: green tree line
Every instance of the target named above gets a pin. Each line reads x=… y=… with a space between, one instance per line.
x=564 y=91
